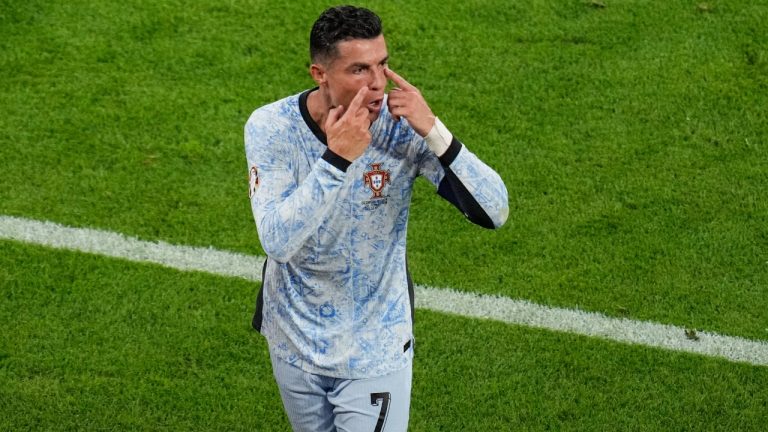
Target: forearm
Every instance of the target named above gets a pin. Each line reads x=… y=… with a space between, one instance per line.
x=469 y=184
x=475 y=189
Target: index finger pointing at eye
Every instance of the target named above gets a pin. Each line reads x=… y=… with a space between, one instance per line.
x=398 y=80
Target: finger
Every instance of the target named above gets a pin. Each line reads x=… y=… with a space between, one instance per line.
x=395 y=103
x=397 y=97
x=392 y=107
x=334 y=115
x=398 y=80
x=357 y=101
x=364 y=117
x=393 y=112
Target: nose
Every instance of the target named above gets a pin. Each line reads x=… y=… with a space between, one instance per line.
x=378 y=79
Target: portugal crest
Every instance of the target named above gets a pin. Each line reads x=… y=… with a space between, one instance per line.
x=375 y=179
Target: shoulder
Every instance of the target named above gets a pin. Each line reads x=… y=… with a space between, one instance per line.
x=279 y=112
x=270 y=123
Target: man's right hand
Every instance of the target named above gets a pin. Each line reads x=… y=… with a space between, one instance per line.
x=347 y=129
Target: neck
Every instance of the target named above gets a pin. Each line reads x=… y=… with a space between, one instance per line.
x=318 y=107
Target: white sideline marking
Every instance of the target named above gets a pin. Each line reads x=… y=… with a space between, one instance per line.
x=497 y=308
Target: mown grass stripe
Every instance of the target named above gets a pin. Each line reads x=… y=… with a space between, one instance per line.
x=518 y=312
x=116 y=245
x=593 y=324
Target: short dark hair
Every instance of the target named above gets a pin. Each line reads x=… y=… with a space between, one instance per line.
x=341 y=23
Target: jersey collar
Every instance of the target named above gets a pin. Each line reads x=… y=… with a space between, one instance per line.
x=313 y=126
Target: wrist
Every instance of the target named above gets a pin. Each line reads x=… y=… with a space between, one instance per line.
x=439 y=138
x=338 y=161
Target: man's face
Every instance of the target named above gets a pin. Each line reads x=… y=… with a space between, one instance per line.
x=359 y=63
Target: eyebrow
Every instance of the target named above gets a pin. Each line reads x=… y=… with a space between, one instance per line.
x=365 y=65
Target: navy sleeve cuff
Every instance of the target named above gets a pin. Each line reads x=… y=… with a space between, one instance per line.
x=453 y=150
x=336 y=160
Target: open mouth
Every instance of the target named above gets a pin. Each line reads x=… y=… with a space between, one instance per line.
x=374 y=105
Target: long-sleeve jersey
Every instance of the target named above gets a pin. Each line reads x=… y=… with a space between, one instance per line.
x=336 y=296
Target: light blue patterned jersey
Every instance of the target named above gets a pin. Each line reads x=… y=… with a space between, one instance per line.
x=336 y=298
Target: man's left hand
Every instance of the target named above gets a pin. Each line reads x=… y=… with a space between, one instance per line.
x=406 y=101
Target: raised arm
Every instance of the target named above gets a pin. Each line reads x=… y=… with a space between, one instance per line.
x=289 y=210
x=460 y=177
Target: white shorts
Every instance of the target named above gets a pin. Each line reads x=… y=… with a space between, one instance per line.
x=316 y=403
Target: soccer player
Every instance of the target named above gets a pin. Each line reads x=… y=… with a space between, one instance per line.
x=331 y=176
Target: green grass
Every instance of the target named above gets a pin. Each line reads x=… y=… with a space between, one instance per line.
x=103 y=344
x=92 y=343
x=631 y=138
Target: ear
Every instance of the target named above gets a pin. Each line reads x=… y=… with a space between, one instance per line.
x=318 y=73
